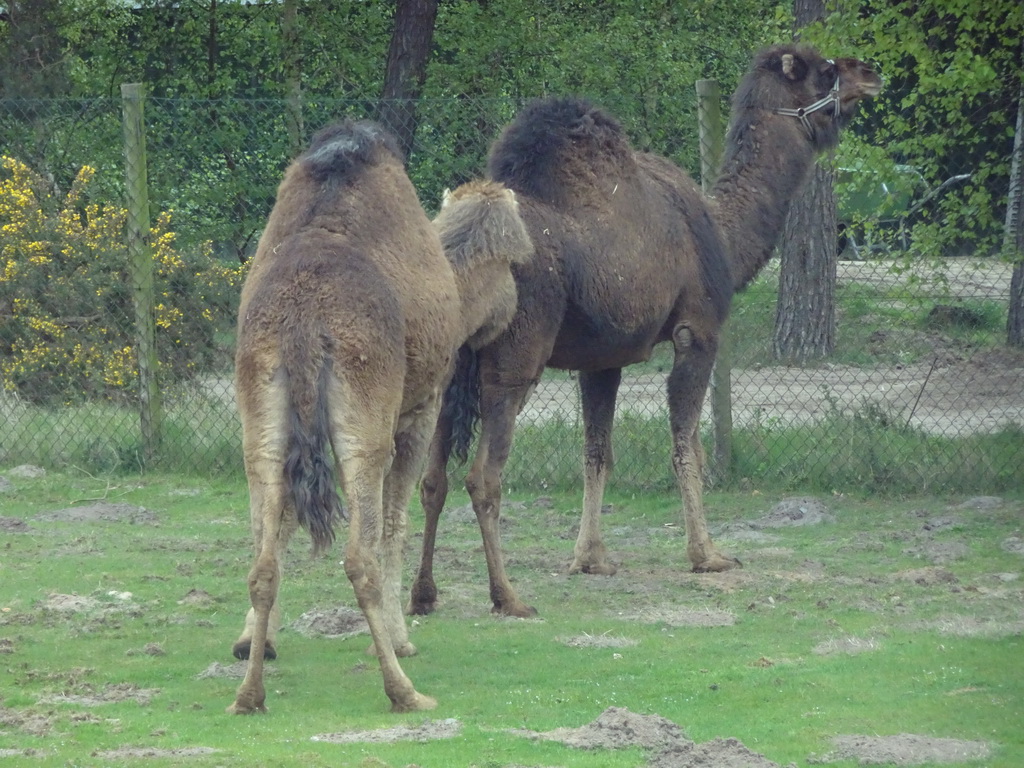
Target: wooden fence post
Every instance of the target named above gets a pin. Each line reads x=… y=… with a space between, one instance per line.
x=711 y=132
x=141 y=259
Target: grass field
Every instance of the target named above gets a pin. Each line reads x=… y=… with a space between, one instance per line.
x=898 y=619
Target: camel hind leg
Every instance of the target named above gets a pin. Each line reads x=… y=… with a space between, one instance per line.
x=411 y=443
x=373 y=551
x=242 y=647
x=275 y=527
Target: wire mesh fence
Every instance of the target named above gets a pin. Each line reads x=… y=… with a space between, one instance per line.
x=920 y=394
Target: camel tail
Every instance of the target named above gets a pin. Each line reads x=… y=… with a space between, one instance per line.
x=309 y=462
x=461 y=404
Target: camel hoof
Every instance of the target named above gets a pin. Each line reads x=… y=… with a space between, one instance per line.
x=421 y=608
x=716 y=564
x=238 y=708
x=243 y=648
x=602 y=568
x=515 y=610
x=418 y=703
x=422 y=600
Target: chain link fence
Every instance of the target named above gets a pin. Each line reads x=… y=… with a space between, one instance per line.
x=921 y=394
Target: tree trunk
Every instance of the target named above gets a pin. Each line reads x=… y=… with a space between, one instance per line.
x=1013 y=232
x=805 y=317
x=407 y=67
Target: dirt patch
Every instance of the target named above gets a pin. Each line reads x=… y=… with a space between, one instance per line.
x=26 y=721
x=339 y=622
x=13 y=525
x=103 y=512
x=618 y=728
x=960 y=395
x=604 y=640
x=927 y=577
x=108 y=694
x=235 y=671
x=128 y=753
x=113 y=602
x=905 y=749
x=683 y=617
x=437 y=729
x=846 y=645
x=972 y=626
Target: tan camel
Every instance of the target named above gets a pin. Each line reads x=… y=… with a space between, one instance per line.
x=349 y=320
x=629 y=254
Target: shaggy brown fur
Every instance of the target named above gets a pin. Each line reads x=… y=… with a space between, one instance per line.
x=630 y=254
x=348 y=323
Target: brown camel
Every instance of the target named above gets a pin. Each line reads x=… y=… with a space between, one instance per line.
x=630 y=254
x=349 y=320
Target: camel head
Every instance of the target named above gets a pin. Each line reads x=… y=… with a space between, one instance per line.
x=821 y=95
x=483 y=236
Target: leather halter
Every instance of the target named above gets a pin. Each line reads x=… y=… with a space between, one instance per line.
x=801 y=113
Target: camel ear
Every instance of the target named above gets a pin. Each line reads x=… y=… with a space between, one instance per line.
x=511 y=195
x=446 y=197
x=793 y=67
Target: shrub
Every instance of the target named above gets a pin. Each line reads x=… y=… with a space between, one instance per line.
x=66 y=312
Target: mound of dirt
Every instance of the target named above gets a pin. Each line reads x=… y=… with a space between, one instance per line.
x=800 y=510
x=905 y=749
x=981 y=503
x=617 y=728
x=13 y=525
x=1014 y=545
x=340 y=622
x=103 y=512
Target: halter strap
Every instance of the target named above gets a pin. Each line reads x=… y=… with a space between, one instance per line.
x=801 y=113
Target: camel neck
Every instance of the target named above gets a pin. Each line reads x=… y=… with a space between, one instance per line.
x=766 y=160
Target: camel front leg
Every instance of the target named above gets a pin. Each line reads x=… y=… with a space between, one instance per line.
x=499 y=408
x=364 y=481
x=433 y=492
x=597 y=396
x=687 y=386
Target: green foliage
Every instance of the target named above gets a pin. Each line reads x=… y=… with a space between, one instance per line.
x=65 y=290
x=953 y=72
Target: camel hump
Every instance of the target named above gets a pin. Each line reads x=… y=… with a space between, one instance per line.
x=550 y=134
x=341 y=149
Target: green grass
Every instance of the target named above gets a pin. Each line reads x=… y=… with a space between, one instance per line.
x=759 y=680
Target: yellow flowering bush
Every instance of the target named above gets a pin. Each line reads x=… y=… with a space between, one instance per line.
x=66 y=313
